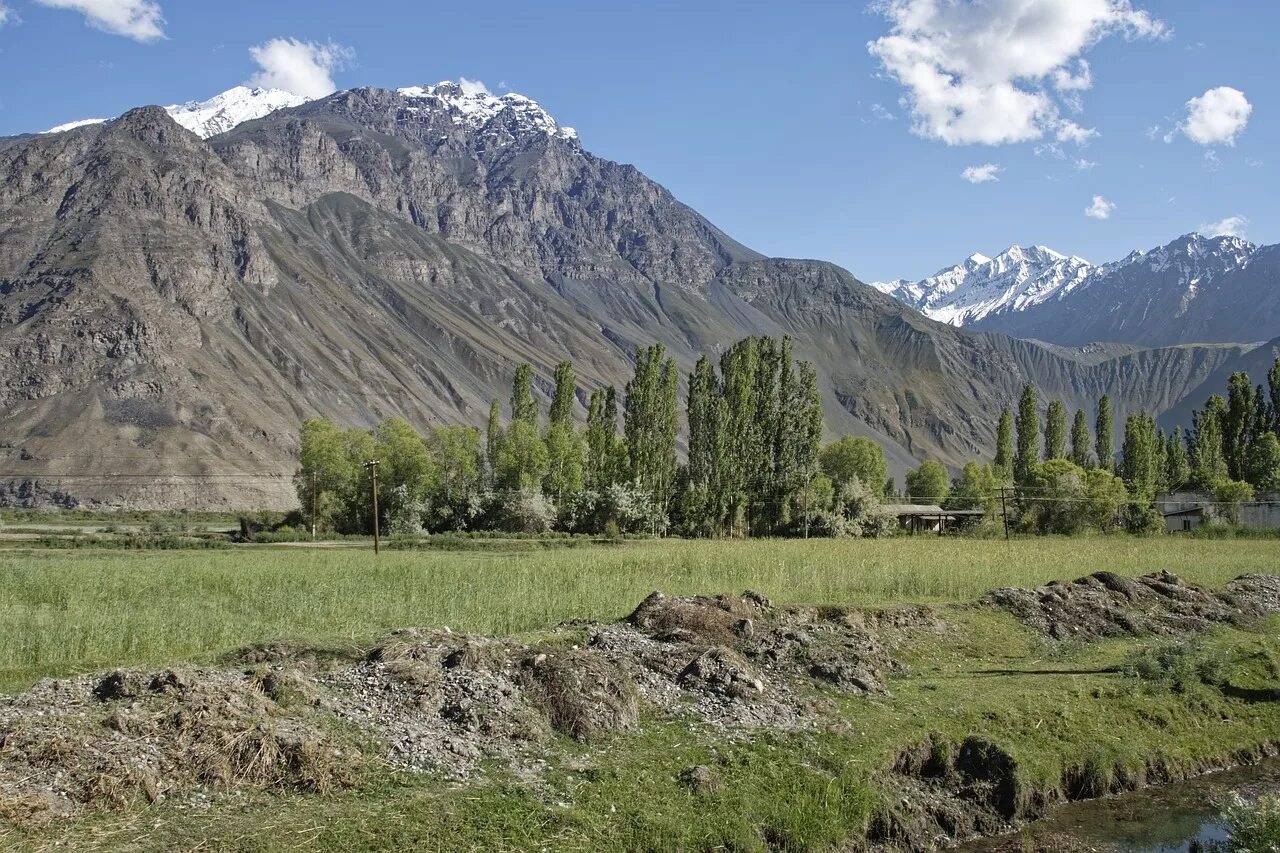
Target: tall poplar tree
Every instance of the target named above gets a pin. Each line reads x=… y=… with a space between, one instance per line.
x=1081 y=441
x=1140 y=463
x=1177 y=469
x=1004 y=446
x=1208 y=462
x=493 y=440
x=1273 y=383
x=566 y=391
x=1104 y=435
x=1028 y=425
x=604 y=446
x=1238 y=428
x=524 y=407
x=1055 y=431
x=565 y=451
x=649 y=423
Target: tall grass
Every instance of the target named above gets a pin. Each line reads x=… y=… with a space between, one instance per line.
x=63 y=612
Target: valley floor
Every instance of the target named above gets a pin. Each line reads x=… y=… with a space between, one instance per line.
x=980 y=721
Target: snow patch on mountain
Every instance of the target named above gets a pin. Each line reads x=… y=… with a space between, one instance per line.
x=477 y=109
x=1019 y=278
x=218 y=114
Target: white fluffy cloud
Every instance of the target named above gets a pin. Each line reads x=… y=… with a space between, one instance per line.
x=472 y=87
x=301 y=67
x=141 y=20
x=981 y=174
x=1232 y=226
x=7 y=15
x=1100 y=209
x=981 y=72
x=1217 y=117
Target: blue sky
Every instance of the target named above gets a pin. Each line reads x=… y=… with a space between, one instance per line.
x=776 y=120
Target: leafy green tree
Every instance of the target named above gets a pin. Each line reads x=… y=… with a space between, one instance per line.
x=565 y=394
x=650 y=421
x=1208 y=462
x=493 y=440
x=606 y=451
x=975 y=488
x=706 y=503
x=1228 y=495
x=328 y=472
x=929 y=482
x=523 y=405
x=1055 y=431
x=1177 y=467
x=1104 y=499
x=522 y=458
x=1239 y=427
x=812 y=500
x=1104 y=435
x=458 y=451
x=566 y=452
x=1028 y=426
x=854 y=456
x=1058 y=504
x=1004 y=446
x=1081 y=441
x=1140 y=464
x=1264 y=463
x=409 y=473
x=1273 y=383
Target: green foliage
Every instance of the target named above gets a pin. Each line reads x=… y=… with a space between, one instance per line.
x=1141 y=464
x=1055 y=502
x=1004 y=446
x=1240 y=425
x=606 y=460
x=1028 y=444
x=977 y=487
x=929 y=483
x=1104 y=435
x=1253 y=825
x=1055 y=431
x=1104 y=499
x=1228 y=495
x=524 y=407
x=1177 y=467
x=1081 y=441
x=854 y=456
x=522 y=458
x=566 y=456
x=1264 y=463
x=458 y=452
x=1208 y=461
x=1183 y=666
x=649 y=423
x=565 y=394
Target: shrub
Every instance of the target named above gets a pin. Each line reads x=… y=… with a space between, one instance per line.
x=1182 y=666
x=1252 y=825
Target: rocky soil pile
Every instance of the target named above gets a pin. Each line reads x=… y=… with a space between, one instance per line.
x=434 y=700
x=1104 y=604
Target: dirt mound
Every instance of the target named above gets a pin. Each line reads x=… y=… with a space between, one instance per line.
x=131 y=735
x=1107 y=605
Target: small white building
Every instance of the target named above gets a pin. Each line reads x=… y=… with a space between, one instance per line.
x=1185 y=511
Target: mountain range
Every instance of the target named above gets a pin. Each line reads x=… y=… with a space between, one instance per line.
x=1195 y=289
x=174 y=302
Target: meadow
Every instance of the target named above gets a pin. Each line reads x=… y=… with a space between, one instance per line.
x=64 y=612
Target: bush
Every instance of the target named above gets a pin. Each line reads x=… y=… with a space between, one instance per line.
x=1182 y=666
x=522 y=511
x=1252 y=825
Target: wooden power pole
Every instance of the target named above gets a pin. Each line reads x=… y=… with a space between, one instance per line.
x=372 y=466
x=313 y=506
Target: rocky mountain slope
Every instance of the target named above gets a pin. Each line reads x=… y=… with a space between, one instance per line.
x=219 y=114
x=171 y=308
x=1192 y=290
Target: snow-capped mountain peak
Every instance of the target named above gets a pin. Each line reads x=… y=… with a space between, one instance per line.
x=1020 y=278
x=476 y=108
x=969 y=291
x=218 y=114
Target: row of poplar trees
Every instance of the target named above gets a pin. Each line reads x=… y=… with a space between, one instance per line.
x=754 y=433
x=1232 y=449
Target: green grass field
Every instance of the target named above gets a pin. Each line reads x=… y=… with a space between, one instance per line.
x=64 y=612
x=1055 y=708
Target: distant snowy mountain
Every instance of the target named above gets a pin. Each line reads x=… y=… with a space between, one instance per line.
x=1194 y=289
x=1011 y=281
x=218 y=114
x=475 y=109
x=470 y=107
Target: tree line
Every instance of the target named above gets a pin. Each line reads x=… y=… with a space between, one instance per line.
x=755 y=462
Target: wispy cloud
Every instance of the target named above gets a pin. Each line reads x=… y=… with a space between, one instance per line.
x=983 y=174
x=140 y=20
x=1100 y=209
x=1231 y=226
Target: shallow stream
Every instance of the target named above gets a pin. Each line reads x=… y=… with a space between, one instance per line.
x=1163 y=819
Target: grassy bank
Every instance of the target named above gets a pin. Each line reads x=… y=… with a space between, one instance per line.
x=1063 y=712
x=63 y=612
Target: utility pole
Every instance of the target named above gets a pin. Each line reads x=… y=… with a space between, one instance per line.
x=313 y=506
x=1004 y=511
x=372 y=467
